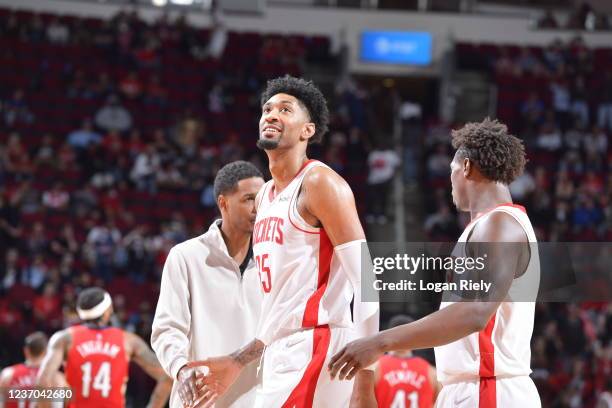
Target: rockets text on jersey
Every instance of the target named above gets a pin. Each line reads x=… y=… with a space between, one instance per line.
x=303 y=284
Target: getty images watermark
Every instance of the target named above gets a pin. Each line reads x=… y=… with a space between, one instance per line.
x=413 y=265
x=520 y=272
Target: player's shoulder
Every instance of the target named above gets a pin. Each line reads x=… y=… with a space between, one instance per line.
x=499 y=226
x=62 y=338
x=6 y=374
x=321 y=177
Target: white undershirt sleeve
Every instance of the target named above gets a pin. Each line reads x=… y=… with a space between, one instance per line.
x=358 y=267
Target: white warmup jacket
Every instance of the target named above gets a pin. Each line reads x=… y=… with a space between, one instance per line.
x=206 y=309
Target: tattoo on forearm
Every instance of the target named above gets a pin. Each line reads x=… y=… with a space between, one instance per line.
x=249 y=352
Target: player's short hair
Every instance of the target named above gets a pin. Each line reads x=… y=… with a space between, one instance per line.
x=36 y=343
x=498 y=155
x=228 y=177
x=90 y=298
x=399 y=320
x=307 y=93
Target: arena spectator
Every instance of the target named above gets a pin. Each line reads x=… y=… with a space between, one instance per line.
x=57 y=32
x=548 y=20
x=37 y=240
x=442 y=225
x=85 y=136
x=188 y=134
x=155 y=92
x=45 y=155
x=580 y=106
x=526 y=61
x=103 y=240
x=553 y=56
x=10 y=270
x=57 y=198
x=439 y=162
x=561 y=102
x=169 y=177
x=532 y=110
x=522 y=187
x=549 y=137
x=18 y=162
x=47 y=306
x=35 y=273
x=113 y=116
x=504 y=65
x=26 y=198
x=65 y=243
x=10 y=228
x=604 y=113
x=216 y=99
x=145 y=168
x=382 y=164
x=131 y=86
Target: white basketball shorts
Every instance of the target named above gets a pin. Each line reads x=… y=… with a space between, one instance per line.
x=294 y=371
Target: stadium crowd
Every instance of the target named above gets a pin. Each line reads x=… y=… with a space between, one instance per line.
x=111 y=133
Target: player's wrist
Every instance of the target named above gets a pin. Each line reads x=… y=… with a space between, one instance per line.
x=183 y=372
x=383 y=344
x=238 y=359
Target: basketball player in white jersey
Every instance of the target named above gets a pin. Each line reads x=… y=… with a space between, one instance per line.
x=307 y=242
x=482 y=348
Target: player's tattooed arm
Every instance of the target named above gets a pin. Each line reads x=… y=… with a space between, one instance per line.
x=223 y=371
x=146 y=359
x=248 y=353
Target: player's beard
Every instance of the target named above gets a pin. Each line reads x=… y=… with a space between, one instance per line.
x=268 y=144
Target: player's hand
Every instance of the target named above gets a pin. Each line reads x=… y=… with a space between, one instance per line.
x=187 y=388
x=355 y=356
x=222 y=373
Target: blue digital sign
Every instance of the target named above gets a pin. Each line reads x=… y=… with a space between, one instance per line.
x=396 y=47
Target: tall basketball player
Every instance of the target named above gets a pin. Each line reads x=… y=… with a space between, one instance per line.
x=307 y=242
x=23 y=376
x=482 y=348
x=97 y=357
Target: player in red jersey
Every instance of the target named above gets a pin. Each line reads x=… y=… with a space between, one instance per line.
x=23 y=376
x=403 y=380
x=96 y=357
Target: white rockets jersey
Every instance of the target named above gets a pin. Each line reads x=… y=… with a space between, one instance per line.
x=503 y=347
x=303 y=283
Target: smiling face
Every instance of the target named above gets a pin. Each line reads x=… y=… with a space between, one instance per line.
x=284 y=123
